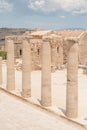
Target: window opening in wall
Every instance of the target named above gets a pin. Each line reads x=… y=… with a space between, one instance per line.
x=38 y=51
x=31 y=49
x=57 y=49
x=20 y=52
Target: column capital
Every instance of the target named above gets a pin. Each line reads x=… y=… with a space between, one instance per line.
x=54 y=40
x=71 y=39
x=9 y=37
x=26 y=37
x=46 y=39
x=14 y=38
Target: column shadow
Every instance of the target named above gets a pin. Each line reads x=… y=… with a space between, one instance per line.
x=39 y=101
x=85 y=118
x=63 y=110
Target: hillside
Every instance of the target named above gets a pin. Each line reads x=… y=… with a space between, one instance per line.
x=10 y=31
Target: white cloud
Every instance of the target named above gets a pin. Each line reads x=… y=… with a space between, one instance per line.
x=5 y=6
x=41 y=5
x=62 y=16
x=73 y=6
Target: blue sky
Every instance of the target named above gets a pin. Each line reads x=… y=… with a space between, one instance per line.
x=44 y=14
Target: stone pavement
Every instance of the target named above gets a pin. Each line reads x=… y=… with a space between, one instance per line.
x=16 y=115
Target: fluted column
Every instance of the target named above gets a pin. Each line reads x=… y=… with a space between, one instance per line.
x=10 y=65
x=72 y=82
x=46 y=73
x=0 y=70
x=26 y=72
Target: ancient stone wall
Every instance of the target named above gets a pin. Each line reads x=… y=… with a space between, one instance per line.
x=46 y=91
x=36 y=55
x=83 y=48
x=59 y=48
x=56 y=51
x=35 y=44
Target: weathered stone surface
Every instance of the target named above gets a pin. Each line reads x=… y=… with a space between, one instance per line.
x=60 y=55
x=46 y=74
x=36 y=41
x=10 y=65
x=83 y=48
x=66 y=47
x=57 y=51
x=26 y=72
x=54 y=53
x=72 y=82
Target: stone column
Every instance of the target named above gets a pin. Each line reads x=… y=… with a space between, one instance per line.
x=60 y=55
x=26 y=72
x=10 y=65
x=72 y=81
x=53 y=58
x=54 y=55
x=46 y=73
x=0 y=70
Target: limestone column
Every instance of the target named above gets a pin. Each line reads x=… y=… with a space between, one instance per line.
x=10 y=65
x=72 y=82
x=0 y=70
x=54 y=55
x=46 y=73
x=60 y=55
x=53 y=58
x=26 y=72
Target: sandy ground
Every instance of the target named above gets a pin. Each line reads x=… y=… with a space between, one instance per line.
x=58 y=89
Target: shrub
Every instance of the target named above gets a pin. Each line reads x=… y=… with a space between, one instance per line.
x=3 y=54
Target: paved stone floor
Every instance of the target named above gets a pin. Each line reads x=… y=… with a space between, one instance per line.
x=16 y=115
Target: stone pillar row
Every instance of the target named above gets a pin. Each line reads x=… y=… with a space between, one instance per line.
x=26 y=72
x=72 y=71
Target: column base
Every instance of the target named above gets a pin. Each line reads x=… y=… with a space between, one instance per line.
x=10 y=88
x=46 y=103
x=70 y=114
x=26 y=93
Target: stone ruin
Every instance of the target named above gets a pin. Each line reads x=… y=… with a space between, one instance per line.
x=56 y=43
x=59 y=49
x=83 y=48
x=46 y=62
x=72 y=71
